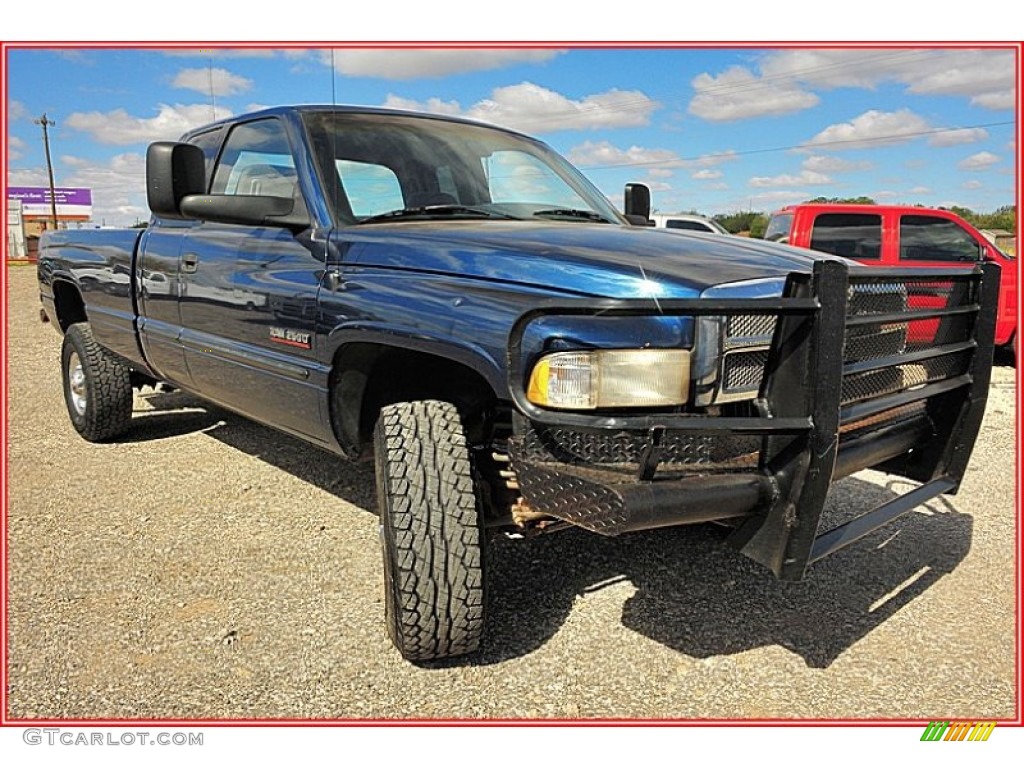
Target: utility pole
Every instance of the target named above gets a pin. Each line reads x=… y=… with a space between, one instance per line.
x=46 y=123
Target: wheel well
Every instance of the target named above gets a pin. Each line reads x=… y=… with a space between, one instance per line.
x=367 y=377
x=67 y=301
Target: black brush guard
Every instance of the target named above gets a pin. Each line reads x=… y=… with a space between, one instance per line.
x=851 y=381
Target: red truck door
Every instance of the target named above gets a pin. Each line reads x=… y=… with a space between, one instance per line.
x=932 y=240
x=855 y=235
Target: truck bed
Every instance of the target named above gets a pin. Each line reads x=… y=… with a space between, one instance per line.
x=99 y=263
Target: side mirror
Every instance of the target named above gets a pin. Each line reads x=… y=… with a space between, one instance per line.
x=251 y=210
x=173 y=171
x=638 y=203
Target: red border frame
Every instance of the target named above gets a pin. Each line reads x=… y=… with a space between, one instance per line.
x=5 y=46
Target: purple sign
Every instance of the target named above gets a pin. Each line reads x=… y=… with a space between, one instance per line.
x=41 y=195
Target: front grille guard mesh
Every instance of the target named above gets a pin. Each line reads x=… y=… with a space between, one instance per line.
x=897 y=303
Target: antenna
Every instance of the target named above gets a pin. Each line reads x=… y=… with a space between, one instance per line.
x=213 y=96
x=334 y=137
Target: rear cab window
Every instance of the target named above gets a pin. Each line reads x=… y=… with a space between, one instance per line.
x=851 y=235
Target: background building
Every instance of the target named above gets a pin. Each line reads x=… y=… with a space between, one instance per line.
x=74 y=206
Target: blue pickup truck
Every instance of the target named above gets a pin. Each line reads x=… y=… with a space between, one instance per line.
x=518 y=357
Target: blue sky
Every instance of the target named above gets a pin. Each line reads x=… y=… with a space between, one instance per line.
x=711 y=130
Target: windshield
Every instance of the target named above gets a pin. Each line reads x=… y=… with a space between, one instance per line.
x=778 y=227
x=383 y=167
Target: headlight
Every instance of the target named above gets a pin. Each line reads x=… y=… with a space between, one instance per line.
x=611 y=378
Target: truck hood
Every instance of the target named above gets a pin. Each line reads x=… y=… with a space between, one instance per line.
x=573 y=258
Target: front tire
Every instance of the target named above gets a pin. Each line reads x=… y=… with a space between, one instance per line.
x=430 y=527
x=97 y=386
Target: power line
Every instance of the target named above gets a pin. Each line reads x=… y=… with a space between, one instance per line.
x=738 y=153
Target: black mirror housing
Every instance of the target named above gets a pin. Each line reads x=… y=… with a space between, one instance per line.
x=251 y=210
x=638 y=202
x=173 y=172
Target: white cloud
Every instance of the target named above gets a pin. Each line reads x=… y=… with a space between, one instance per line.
x=790 y=180
x=973 y=184
x=979 y=161
x=435 y=62
x=118 y=185
x=16 y=110
x=661 y=173
x=658 y=186
x=14 y=147
x=738 y=94
x=920 y=190
x=832 y=164
x=958 y=136
x=119 y=128
x=72 y=161
x=782 y=82
x=885 y=194
x=871 y=129
x=986 y=77
x=602 y=153
x=219 y=80
x=532 y=108
x=1002 y=100
x=706 y=174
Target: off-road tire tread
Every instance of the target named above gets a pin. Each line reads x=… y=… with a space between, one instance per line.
x=433 y=546
x=108 y=412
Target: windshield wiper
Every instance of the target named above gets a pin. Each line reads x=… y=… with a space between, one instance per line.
x=574 y=213
x=445 y=209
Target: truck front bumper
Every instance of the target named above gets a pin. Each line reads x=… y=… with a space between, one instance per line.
x=830 y=404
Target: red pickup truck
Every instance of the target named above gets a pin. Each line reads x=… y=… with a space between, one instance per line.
x=899 y=236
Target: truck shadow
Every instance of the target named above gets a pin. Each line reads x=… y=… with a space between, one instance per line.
x=178 y=413
x=693 y=592
x=697 y=595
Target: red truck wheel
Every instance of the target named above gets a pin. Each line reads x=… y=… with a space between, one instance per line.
x=430 y=530
x=97 y=386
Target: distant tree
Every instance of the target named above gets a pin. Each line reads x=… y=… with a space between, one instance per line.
x=862 y=200
x=741 y=221
x=758 y=225
x=1001 y=218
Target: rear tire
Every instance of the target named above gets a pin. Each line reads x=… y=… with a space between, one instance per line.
x=430 y=531
x=97 y=386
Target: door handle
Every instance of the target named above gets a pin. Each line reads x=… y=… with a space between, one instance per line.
x=190 y=263
x=333 y=280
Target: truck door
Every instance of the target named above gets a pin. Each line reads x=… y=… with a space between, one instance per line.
x=249 y=294
x=852 y=235
x=935 y=241
x=158 y=282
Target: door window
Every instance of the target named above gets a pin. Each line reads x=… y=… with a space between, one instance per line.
x=931 y=238
x=256 y=161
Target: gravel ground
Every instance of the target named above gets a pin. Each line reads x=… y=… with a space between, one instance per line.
x=208 y=567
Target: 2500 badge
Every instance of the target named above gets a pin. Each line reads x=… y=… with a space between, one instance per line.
x=302 y=339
